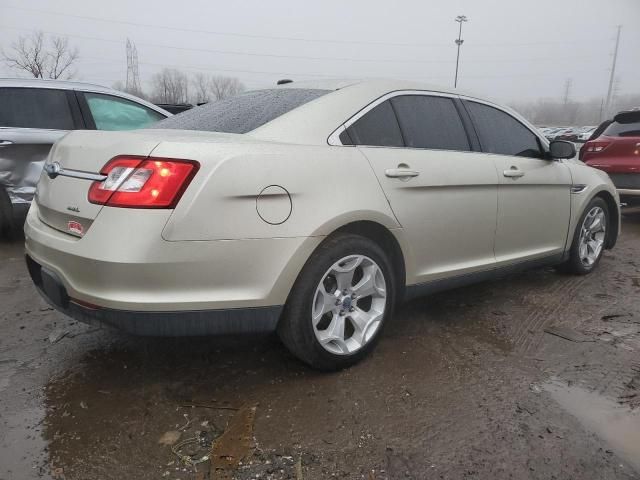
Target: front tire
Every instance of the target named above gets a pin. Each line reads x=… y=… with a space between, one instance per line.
x=589 y=239
x=339 y=303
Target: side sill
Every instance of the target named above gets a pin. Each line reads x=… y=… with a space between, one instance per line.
x=428 y=288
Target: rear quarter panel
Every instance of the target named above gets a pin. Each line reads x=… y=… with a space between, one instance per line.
x=326 y=188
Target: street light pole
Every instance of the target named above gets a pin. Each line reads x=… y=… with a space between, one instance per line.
x=459 y=42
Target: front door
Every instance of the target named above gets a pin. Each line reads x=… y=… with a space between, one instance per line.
x=534 y=192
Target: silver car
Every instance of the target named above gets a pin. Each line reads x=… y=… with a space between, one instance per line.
x=35 y=113
x=311 y=209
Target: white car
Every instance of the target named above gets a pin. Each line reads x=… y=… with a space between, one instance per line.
x=312 y=209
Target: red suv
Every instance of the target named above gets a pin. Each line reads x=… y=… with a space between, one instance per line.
x=617 y=151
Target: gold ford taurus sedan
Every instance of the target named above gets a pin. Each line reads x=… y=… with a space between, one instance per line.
x=312 y=209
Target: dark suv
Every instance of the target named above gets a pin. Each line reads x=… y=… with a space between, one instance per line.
x=36 y=113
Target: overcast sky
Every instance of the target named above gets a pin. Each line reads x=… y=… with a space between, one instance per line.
x=513 y=49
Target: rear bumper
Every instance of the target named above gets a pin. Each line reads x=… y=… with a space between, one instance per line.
x=123 y=274
x=175 y=323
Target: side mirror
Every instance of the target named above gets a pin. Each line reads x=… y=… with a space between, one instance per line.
x=562 y=149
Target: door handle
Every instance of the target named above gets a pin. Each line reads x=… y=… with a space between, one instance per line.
x=4 y=143
x=513 y=172
x=400 y=173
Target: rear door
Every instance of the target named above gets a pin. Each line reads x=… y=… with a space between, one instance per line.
x=533 y=193
x=31 y=120
x=443 y=194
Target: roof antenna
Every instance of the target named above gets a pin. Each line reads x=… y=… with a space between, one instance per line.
x=284 y=81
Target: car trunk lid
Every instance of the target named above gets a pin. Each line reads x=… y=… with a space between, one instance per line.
x=73 y=164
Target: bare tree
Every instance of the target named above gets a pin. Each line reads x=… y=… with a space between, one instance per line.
x=201 y=85
x=121 y=86
x=224 y=87
x=170 y=86
x=40 y=58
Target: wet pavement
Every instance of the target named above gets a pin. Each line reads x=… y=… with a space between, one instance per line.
x=464 y=384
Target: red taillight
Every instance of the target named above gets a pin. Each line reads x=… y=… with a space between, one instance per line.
x=595 y=146
x=134 y=182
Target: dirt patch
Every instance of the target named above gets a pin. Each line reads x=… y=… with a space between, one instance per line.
x=454 y=389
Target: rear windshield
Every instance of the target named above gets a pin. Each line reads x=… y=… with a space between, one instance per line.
x=242 y=113
x=623 y=130
x=624 y=124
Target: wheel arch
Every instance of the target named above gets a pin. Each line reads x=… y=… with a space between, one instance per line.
x=383 y=237
x=614 y=216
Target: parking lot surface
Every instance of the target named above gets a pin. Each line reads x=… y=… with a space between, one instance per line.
x=533 y=376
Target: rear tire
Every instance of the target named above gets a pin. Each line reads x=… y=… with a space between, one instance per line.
x=339 y=304
x=6 y=214
x=589 y=239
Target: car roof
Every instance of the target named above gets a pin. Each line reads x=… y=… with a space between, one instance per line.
x=310 y=122
x=72 y=85
x=46 y=83
x=374 y=85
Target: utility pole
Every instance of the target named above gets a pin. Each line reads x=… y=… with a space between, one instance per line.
x=567 y=91
x=459 y=41
x=607 y=103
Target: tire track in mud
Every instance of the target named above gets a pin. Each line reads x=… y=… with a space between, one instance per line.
x=549 y=304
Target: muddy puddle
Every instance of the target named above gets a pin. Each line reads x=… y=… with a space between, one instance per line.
x=617 y=425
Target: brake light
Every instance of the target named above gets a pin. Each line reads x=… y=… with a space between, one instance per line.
x=596 y=146
x=134 y=182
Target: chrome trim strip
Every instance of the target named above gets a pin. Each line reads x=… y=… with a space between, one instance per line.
x=96 y=177
x=628 y=191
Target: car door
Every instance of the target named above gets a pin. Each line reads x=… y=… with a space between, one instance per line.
x=534 y=192
x=109 y=112
x=443 y=194
x=31 y=120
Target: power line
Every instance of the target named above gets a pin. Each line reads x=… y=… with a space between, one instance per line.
x=304 y=57
x=213 y=32
x=280 y=38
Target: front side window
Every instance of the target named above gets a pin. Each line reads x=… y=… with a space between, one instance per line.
x=244 y=112
x=115 y=113
x=430 y=122
x=378 y=127
x=35 y=108
x=502 y=134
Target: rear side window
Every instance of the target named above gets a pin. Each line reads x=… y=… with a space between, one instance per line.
x=430 y=122
x=378 y=127
x=501 y=133
x=35 y=108
x=114 y=113
x=242 y=113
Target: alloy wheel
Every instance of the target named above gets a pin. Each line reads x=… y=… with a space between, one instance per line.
x=349 y=304
x=592 y=236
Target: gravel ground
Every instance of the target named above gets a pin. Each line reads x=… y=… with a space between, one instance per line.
x=464 y=384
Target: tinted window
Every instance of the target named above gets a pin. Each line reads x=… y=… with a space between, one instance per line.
x=35 y=108
x=501 y=133
x=378 y=127
x=617 y=129
x=430 y=122
x=114 y=113
x=242 y=113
